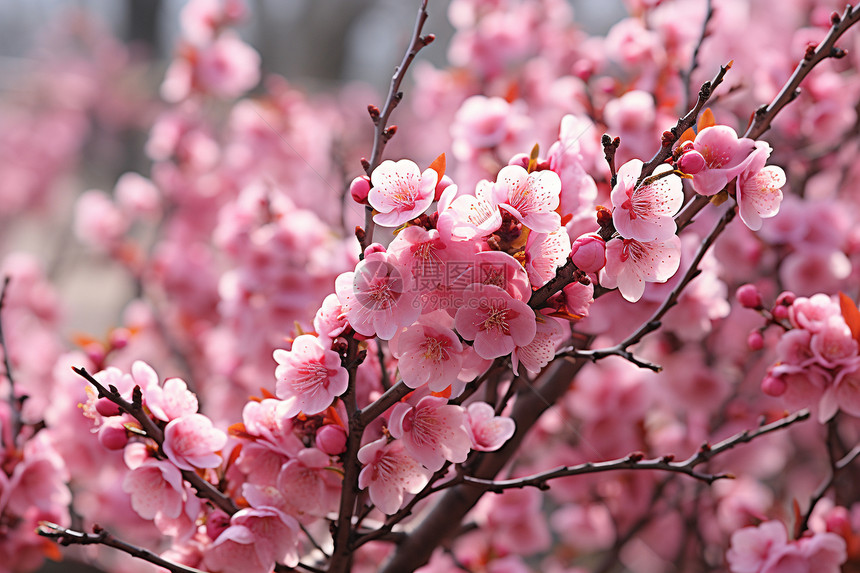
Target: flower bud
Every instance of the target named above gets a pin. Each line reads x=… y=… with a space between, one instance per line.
x=113 y=435
x=331 y=439
x=773 y=385
x=359 y=189
x=119 y=338
x=691 y=162
x=780 y=312
x=588 y=252
x=217 y=522
x=374 y=248
x=755 y=340
x=786 y=298
x=749 y=296
x=521 y=159
x=107 y=408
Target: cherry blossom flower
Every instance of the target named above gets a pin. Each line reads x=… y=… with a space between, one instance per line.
x=531 y=198
x=377 y=299
x=256 y=539
x=155 y=487
x=428 y=352
x=432 y=431
x=758 y=188
x=309 y=485
x=631 y=263
x=191 y=442
x=766 y=549
x=487 y=431
x=390 y=473
x=309 y=375
x=724 y=154
x=541 y=350
x=171 y=401
x=465 y=217
x=588 y=252
x=400 y=192
x=646 y=212
x=544 y=254
x=496 y=321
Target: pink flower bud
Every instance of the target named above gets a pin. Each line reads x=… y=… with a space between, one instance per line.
x=773 y=386
x=786 y=298
x=113 y=436
x=749 y=296
x=780 y=312
x=588 y=252
x=331 y=439
x=755 y=340
x=691 y=162
x=838 y=521
x=359 y=189
x=107 y=408
x=374 y=248
x=119 y=338
x=521 y=159
x=443 y=184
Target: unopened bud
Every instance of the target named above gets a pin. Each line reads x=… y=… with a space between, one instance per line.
x=755 y=340
x=331 y=439
x=107 y=408
x=786 y=298
x=373 y=248
x=359 y=189
x=520 y=159
x=749 y=296
x=691 y=162
x=588 y=252
x=780 y=312
x=773 y=385
x=112 y=435
x=216 y=522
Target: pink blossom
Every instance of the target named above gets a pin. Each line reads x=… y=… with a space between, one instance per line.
x=766 y=549
x=541 y=350
x=171 y=401
x=155 y=487
x=758 y=188
x=724 y=154
x=309 y=375
x=646 y=212
x=329 y=320
x=137 y=195
x=331 y=439
x=466 y=217
x=631 y=263
x=254 y=541
x=432 y=431
x=310 y=483
x=228 y=67
x=495 y=321
x=192 y=442
x=588 y=252
x=481 y=123
x=531 y=198
x=578 y=299
x=389 y=473
x=400 y=192
x=428 y=352
x=377 y=298
x=487 y=431
x=544 y=254
x=98 y=222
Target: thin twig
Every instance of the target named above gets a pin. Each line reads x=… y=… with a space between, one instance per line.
x=65 y=536
x=135 y=409
x=694 y=61
x=790 y=90
x=654 y=322
x=636 y=461
x=14 y=402
x=610 y=146
x=382 y=133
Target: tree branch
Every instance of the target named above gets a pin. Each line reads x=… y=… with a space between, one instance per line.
x=14 y=403
x=382 y=133
x=694 y=61
x=135 y=409
x=636 y=461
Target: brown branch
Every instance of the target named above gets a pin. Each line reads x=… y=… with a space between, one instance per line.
x=694 y=61
x=384 y=402
x=610 y=147
x=636 y=461
x=790 y=90
x=135 y=409
x=65 y=536
x=15 y=404
x=383 y=133
x=654 y=322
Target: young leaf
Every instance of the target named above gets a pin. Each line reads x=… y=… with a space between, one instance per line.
x=851 y=315
x=438 y=166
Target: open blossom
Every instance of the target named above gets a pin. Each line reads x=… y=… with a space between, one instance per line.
x=496 y=321
x=400 y=192
x=646 y=212
x=429 y=352
x=432 y=431
x=766 y=549
x=465 y=217
x=724 y=154
x=377 y=298
x=544 y=254
x=308 y=484
x=631 y=263
x=759 y=188
x=171 y=401
x=254 y=541
x=155 y=486
x=531 y=198
x=488 y=431
x=192 y=442
x=389 y=473
x=309 y=376
x=541 y=350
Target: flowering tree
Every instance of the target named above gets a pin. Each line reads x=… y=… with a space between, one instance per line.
x=607 y=286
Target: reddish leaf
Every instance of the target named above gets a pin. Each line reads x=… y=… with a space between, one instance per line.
x=688 y=135
x=706 y=119
x=533 y=157
x=438 y=166
x=513 y=93
x=851 y=315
